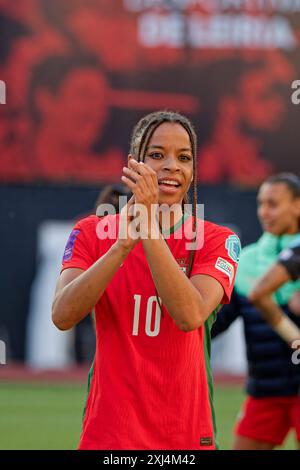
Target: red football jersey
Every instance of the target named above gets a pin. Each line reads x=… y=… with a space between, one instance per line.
x=149 y=385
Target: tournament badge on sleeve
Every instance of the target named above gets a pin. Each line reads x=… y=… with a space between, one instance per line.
x=233 y=246
x=70 y=245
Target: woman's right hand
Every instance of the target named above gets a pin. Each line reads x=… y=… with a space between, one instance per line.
x=128 y=236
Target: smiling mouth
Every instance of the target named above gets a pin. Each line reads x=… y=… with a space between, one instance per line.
x=267 y=222
x=169 y=183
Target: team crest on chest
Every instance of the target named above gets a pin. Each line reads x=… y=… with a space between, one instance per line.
x=183 y=264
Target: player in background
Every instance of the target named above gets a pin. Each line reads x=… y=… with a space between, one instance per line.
x=153 y=296
x=272 y=406
x=287 y=268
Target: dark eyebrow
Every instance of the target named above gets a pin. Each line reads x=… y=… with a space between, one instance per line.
x=155 y=147
x=162 y=148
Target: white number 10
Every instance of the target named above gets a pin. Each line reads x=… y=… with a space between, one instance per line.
x=137 y=306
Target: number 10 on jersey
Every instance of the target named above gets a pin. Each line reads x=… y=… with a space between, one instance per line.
x=152 y=308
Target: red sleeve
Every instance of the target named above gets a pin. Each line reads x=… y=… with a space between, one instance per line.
x=218 y=257
x=80 y=248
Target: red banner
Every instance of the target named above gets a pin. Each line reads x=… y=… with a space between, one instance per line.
x=78 y=74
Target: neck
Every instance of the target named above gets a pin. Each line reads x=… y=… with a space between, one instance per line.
x=283 y=234
x=292 y=230
x=169 y=215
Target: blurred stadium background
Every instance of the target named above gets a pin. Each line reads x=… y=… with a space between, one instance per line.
x=78 y=75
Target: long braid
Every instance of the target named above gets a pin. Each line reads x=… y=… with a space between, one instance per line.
x=193 y=140
x=147 y=136
x=194 y=213
x=195 y=229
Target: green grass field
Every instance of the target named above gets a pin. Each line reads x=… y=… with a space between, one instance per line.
x=48 y=416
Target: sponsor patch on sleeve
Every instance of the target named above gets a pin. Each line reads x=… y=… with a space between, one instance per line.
x=225 y=267
x=70 y=245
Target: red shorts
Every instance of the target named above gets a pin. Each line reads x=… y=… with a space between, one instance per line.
x=269 y=419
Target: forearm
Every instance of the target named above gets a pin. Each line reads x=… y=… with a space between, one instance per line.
x=74 y=301
x=179 y=296
x=270 y=311
x=280 y=322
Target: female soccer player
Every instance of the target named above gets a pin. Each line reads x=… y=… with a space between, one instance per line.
x=286 y=268
x=152 y=297
x=271 y=409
